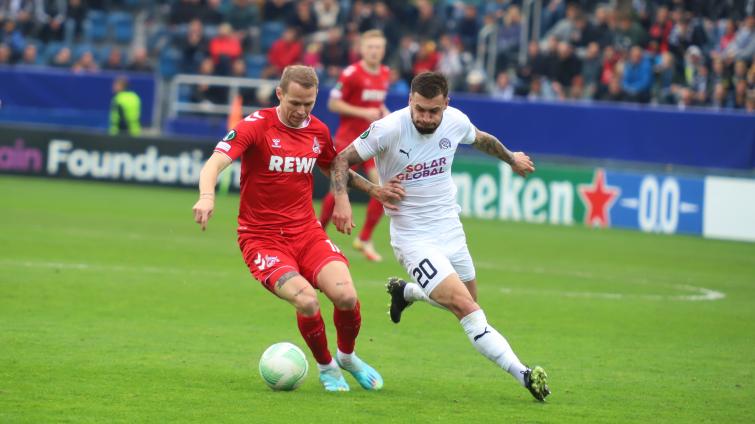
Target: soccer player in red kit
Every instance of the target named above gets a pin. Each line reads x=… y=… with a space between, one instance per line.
x=359 y=98
x=281 y=240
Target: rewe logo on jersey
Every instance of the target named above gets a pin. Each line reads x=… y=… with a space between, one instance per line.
x=292 y=164
x=373 y=95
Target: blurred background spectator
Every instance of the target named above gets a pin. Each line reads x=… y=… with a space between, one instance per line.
x=673 y=52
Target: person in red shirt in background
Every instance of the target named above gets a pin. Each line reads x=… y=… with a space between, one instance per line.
x=224 y=49
x=281 y=240
x=285 y=51
x=359 y=99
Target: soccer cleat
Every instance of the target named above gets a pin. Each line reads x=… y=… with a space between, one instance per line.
x=364 y=374
x=367 y=249
x=332 y=380
x=535 y=380
x=395 y=287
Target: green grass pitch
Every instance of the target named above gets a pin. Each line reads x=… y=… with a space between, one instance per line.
x=114 y=307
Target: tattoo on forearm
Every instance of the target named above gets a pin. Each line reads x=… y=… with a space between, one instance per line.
x=284 y=278
x=341 y=175
x=359 y=182
x=487 y=143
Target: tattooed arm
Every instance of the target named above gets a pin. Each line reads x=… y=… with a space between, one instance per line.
x=342 y=176
x=487 y=143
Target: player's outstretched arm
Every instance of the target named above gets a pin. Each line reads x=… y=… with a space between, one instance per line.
x=208 y=178
x=519 y=162
x=339 y=179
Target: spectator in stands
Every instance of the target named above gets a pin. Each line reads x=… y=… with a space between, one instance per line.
x=665 y=78
x=743 y=44
x=566 y=28
x=729 y=32
x=398 y=85
x=383 y=19
x=614 y=92
x=5 y=54
x=638 y=76
x=206 y=93
x=553 y=11
x=568 y=67
x=686 y=98
x=303 y=19
x=62 y=59
x=601 y=25
x=285 y=51
x=139 y=61
x=21 y=13
x=29 y=57
x=75 y=16
x=468 y=27
x=224 y=49
x=311 y=56
x=13 y=37
x=508 y=38
x=114 y=61
x=740 y=94
x=686 y=33
x=718 y=74
x=278 y=10
x=125 y=109
x=428 y=26
x=51 y=17
x=476 y=82
x=720 y=98
x=453 y=60
x=740 y=72
x=333 y=56
x=184 y=11
x=750 y=102
x=629 y=33
x=243 y=16
x=503 y=89
x=211 y=13
x=194 y=47
x=408 y=49
x=661 y=28
x=591 y=66
x=327 y=13
x=86 y=63
x=248 y=94
x=427 y=58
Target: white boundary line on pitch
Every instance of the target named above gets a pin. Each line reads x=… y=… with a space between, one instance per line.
x=80 y=266
x=699 y=293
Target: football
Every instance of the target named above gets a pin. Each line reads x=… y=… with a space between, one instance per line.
x=283 y=366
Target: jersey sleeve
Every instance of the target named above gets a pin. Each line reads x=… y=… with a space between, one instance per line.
x=468 y=130
x=374 y=140
x=328 y=151
x=240 y=138
x=344 y=86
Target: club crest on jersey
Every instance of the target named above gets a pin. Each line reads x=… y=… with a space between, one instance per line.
x=230 y=136
x=444 y=143
x=277 y=143
x=316 y=146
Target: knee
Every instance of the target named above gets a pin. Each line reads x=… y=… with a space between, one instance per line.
x=307 y=305
x=462 y=306
x=346 y=301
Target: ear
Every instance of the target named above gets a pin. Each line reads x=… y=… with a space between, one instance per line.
x=279 y=93
x=446 y=105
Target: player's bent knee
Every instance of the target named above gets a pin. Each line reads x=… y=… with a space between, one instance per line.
x=346 y=301
x=307 y=304
x=462 y=306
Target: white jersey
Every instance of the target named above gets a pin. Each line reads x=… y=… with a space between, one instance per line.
x=423 y=164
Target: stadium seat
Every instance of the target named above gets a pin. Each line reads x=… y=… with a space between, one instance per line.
x=271 y=31
x=95 y=26
x=121 y=25
x=255 y=63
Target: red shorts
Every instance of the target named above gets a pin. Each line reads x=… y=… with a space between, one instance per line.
x=270 y=255
x=366 y=165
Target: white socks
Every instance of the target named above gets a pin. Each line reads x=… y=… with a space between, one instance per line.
x=331 y=365
x=346 y=359
x=491 y=344
x=413 y=292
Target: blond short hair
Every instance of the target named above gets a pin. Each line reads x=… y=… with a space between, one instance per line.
x=300 y=74
x=373 y=33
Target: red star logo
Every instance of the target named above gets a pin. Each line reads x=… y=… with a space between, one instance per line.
x=598 y=198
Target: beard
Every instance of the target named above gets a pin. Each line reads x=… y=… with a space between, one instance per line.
x=426 y=129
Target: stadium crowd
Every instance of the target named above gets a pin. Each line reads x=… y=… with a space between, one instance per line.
x=675 y=52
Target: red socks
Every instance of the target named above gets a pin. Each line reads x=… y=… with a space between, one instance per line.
x=347 y=327
x=312 y=329
x=374 y=213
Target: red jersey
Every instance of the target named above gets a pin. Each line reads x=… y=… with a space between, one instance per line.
x=276 y=170
x=359 y=87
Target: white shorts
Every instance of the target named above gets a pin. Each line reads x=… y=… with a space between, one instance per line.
x=429 y=262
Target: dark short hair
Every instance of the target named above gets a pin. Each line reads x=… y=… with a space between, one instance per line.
x=430 y=84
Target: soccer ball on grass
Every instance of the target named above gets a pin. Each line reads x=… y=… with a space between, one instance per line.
x=283 y=366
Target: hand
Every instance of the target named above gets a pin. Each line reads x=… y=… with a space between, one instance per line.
x=389 y=194
x=372 y=114
x=342 y=217
x=522 y=164
x=203 y=211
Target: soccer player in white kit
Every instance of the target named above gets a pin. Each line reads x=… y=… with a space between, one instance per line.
x=416 y=145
